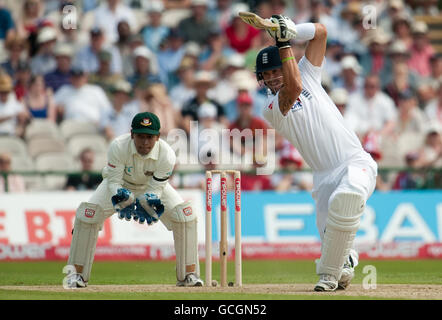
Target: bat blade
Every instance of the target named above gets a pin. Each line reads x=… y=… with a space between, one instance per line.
x=257 y=22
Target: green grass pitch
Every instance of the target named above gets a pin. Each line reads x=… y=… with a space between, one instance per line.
x=404 y=272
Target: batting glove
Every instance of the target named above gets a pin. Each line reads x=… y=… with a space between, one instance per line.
x=285 y=32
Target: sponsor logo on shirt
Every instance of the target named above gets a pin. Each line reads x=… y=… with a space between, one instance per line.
x=111 y=165
x=271 y=106
x=128 y=170
x=297 y=105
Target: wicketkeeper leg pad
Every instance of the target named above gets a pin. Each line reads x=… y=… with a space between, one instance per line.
x=88 y=221
x=184 y=226
x=345 y=211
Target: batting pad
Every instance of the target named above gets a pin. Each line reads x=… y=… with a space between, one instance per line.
x=343 y=219
x=184 y=226
x=88 y=220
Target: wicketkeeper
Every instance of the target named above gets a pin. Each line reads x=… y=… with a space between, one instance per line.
x=135 y=185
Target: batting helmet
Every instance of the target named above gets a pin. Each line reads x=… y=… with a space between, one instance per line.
x=267 y=59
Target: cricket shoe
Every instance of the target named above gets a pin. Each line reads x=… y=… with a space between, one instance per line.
x=191 y=280
x=327 y=282
x=348 y=271
x=75 y=280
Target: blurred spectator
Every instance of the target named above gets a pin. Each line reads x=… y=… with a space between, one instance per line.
x=80 y=100
x=409 y=179
x=394 y=10
x=87 y=57
x=117 y=121
x=145 y=67
x=7 y=27
x=350 y=79
x=204 y=81
x=224 y=90
x=103 y=77
x=349 y=14
x=170 y=55
x=250 y=181
x=436 y=67
x=263 y=40
x=220 y=13
x=396 y=75
x=30 y=18
x=400 y=82
x=434 y=109
x=216 y=50
x=12 y=112
x=430 y=154
x=402 y=30
x=321 y=13
x=340 y=98
x=126 y=43
x=39 y=100
x=247 y=123
x=159 y=103
x=177 y=4
x=373 y=109
x=22 y=77
x=240 y=35
x=299 y=11
x=184 y=91
x=154 y=32
x=44 y=61
x=428 y=7
x=374 y=60
x=63 y=53
x=87 y=179
x=15 y=182
x=333 y=56
x=421 y=50
x=16 y=48
x=109 y=14
x=291 y=179
x=411 y=119
x=196 y=28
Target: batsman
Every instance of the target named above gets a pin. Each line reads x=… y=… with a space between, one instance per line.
x=135 y=186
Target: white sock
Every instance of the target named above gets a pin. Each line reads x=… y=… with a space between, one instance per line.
x=305 y=31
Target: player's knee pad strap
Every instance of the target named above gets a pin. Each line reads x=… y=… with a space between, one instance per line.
x=88 y=220
x=345 y=210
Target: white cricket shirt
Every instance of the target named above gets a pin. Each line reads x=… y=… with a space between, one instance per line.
x=128 y=169
x=314 y=124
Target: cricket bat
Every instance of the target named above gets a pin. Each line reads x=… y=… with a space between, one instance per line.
x=257 y=22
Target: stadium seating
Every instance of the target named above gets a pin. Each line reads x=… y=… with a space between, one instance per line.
x=95 y=142
x=43 y=145
x=56 y=161
x=24 y=163
x=41 y=128
x=70 y=128
x=13 y=145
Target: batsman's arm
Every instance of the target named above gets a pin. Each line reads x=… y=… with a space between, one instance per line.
x=292 y=80
x=316 y=47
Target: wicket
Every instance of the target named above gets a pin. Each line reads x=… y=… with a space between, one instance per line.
x=223 y=246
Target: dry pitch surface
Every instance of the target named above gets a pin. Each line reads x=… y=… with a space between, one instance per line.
x=388 y=291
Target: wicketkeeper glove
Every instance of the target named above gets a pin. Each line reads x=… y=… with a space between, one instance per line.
x=285 y=32
x=124 y=203
x=149 y=207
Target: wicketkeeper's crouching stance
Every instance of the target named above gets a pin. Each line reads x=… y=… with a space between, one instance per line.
x=135 y=185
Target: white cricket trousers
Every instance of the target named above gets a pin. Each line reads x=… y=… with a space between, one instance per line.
x=357 y=175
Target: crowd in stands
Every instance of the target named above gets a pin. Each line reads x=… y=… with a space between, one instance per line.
x=99 y=62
